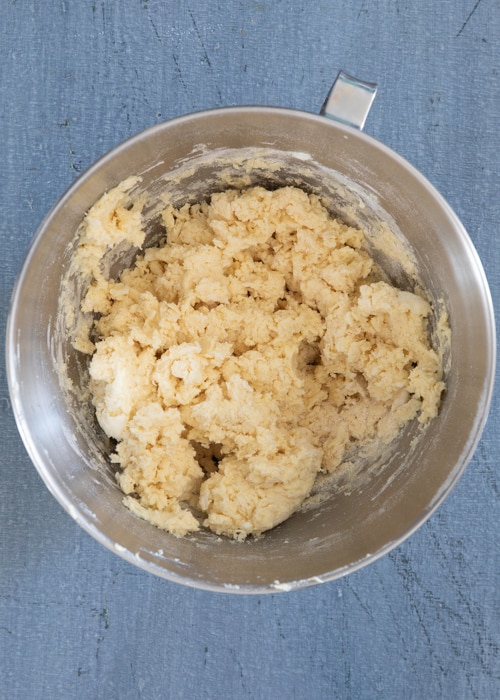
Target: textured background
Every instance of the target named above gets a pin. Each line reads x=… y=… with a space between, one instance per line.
x=76 y=78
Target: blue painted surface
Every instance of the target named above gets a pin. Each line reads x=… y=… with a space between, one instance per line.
x=77 y=77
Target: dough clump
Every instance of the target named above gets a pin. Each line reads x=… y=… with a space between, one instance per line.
x=248 y=354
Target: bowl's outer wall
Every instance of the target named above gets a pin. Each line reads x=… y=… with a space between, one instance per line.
x=346 y=532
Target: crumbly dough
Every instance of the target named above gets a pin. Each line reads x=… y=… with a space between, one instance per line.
x=245 y=356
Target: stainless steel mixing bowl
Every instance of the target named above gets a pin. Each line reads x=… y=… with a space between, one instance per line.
x=362 y=180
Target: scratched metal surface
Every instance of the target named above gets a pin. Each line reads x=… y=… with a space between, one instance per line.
x=75 y=620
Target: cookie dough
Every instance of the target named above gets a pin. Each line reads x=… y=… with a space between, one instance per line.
x=251 y=352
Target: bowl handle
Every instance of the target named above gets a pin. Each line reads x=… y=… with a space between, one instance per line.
x=349 y=100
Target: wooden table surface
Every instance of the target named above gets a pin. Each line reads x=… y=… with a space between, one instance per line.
x=76 y=621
